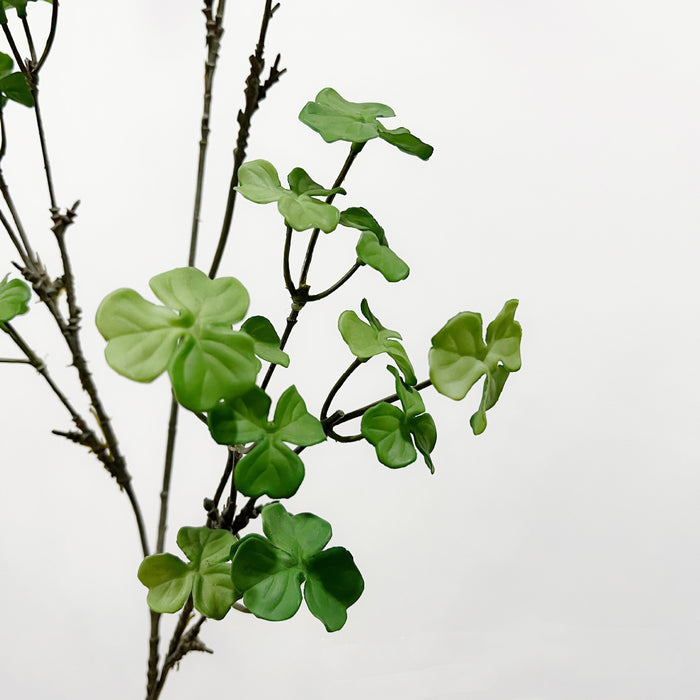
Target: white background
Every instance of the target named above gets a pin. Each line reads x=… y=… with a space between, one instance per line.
x=554 y=557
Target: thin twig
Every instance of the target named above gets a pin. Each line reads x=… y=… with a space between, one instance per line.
x=15 y=51
x=5 y=191
x=288 y=282
x=51 y=37
x=355 y=149
x=254 y=92
x=338 y=385
x=167 y=475
x=337 y=285
x=34 y=87
x=215 y=31
x=387 y=399
x=30 y=41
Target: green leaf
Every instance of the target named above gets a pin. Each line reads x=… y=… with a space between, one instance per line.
x=191 y=336
x=459 y=357
x=169 y=582
x=19 y=5
x=14 y=87
x=336 y=119
x=260 y=183
x=393 y=431
x=405 y=141
x=207 y=576
x=424 y=434
x=270 y=571
x=266 y=340
x=14 y=299
x=271 y=467
x=385 y=427
x=293 y=423
x=367 y=340
x=333 y=584
x=373 y=248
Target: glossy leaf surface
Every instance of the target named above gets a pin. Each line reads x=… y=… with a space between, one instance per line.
x=396 y=433
x=13 y=86
x=366 y=340
x=271 y=467
x=14 y=298
x=337 y=119
x=270 y=570
x=207 y=576
x=190 y=337
x=260 y=183
x=459 y=357
x=266 y=340
x=373 y=248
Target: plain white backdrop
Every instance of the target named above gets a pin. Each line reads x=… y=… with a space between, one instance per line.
x=554 y=557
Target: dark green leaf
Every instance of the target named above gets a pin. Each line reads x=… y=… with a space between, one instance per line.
x=385 y=427
x=267 y=342
x=333 y=584
x=405 y=141
x=270 y=572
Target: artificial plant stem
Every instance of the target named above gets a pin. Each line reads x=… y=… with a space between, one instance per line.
x=254 y=94
x=153 y=644
x=15 y=51
x=51 y=37
x=15 y=240
x=215 y=31
x=338 y=385
x=337 y=285
x=30 y=41
x=5 y=191
x=167 y=473
x=388 y=399
x=291 y=322
x=86 y=436
x=42 y=141
x=355 y=149
x=288 y=282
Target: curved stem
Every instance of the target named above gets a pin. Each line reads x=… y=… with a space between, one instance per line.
x=337 y=285
x=288 y=282
x=51 y=37
x=388 y=399
x=167 y=474
x=337 y=386
x=30 y=41
x=355 y=149
x=15 y=51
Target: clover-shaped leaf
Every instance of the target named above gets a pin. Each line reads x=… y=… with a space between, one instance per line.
x=336 y=119
x=459 y=357
x=270 y=570
x=271 y=467
x=366 y=340
x=207 y=575
x=392 y=431
x=190 y=337
x=372 y=248
x=265 y=339
x=259 y=182
x=13 y=86
x=14 y=298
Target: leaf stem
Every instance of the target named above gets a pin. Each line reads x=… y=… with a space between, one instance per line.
x=356 y=363
x=30 y=41
x=288 y=282
x=355 y=149
x=255 y=93
x=337 y=285
x=15 y=51
x=387 y=399
x=51 y=37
